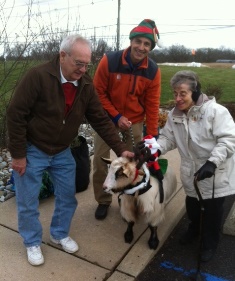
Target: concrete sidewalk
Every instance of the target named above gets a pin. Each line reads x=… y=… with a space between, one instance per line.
x=103 y=254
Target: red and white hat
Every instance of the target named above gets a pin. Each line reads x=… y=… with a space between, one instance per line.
x=151 y=143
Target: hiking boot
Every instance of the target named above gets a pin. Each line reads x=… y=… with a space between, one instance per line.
x=68 y=244
x=101 y=211
x=35 y=256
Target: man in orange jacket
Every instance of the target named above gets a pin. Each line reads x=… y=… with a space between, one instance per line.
x=128 y=84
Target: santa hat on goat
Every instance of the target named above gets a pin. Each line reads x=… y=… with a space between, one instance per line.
x=151 y=143
x=153 y=164
x=147 y=28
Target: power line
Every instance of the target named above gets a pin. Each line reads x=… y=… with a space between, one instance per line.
x=188 y=27
x=91 y=3
x=199 y=30
x=122 y=35
x=54 y=9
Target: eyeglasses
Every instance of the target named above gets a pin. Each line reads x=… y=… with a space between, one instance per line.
x=79 y=64
x=180 y=95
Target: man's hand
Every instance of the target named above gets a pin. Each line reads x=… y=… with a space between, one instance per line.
x=127 y=154
x=19 y=165
x=124 y=124
x=206 y=171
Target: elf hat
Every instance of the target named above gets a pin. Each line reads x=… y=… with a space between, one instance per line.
x=147 y=28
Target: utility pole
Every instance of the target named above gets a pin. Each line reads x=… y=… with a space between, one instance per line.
x=118 y=25
x=94 y=38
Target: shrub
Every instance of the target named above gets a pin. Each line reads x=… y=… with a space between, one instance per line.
x=213 y=90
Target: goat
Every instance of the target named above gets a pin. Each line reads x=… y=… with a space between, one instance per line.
x=139 y=194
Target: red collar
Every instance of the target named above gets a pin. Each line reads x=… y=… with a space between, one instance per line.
x=136 y=174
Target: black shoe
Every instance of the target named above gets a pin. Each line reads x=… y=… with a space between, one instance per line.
x=101 y=211
x=187 y=238
x=207 y=255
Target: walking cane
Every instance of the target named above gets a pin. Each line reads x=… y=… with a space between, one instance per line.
x=198 y=276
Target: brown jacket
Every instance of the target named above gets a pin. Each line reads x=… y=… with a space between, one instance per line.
x=36 y=113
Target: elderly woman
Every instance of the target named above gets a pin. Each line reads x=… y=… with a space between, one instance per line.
x=203 y=131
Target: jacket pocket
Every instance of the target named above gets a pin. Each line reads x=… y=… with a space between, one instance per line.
x=186 y=176
x=221 y=177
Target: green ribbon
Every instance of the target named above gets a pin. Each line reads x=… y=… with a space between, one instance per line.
x=163 y=163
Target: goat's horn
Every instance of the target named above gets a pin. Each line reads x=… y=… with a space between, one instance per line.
x=137 y=149
x=144 y=157
x=106 y=160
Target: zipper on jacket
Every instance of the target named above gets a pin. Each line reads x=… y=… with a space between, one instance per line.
x=63 y=121
x=133 y=83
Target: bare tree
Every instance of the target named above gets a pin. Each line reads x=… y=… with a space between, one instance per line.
x=17 y=51
x=11 y=69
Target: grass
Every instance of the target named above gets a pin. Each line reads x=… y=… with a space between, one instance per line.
x=218 y=75
x=221 y=77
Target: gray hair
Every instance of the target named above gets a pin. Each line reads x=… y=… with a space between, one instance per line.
x=68 y=42
x=185 y=77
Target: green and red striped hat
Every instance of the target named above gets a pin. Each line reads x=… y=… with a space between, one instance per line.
x=147 y=28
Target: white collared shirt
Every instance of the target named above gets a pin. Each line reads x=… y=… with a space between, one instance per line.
x=63 y=80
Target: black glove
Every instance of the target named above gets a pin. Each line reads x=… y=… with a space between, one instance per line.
x=206 y=171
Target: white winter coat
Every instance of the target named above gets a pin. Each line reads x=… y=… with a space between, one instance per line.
x=207 y=132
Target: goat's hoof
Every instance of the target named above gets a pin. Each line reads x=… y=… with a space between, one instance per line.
x=153 y=244
x=128 y=237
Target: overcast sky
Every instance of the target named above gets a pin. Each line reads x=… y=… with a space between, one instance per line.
x=194 y=24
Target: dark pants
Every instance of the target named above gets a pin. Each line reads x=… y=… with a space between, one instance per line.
x=212 y=219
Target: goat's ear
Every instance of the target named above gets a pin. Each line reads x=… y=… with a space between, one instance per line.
x=106 y=160
x=126 y=172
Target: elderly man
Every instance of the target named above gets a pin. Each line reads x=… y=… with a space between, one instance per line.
x=43 y=118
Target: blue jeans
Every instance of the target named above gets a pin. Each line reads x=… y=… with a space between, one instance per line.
x=61 y=168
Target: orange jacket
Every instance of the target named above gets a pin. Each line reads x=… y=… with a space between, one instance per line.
x=134 y=94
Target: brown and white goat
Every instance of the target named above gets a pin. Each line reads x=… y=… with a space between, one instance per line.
x=139 y=194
